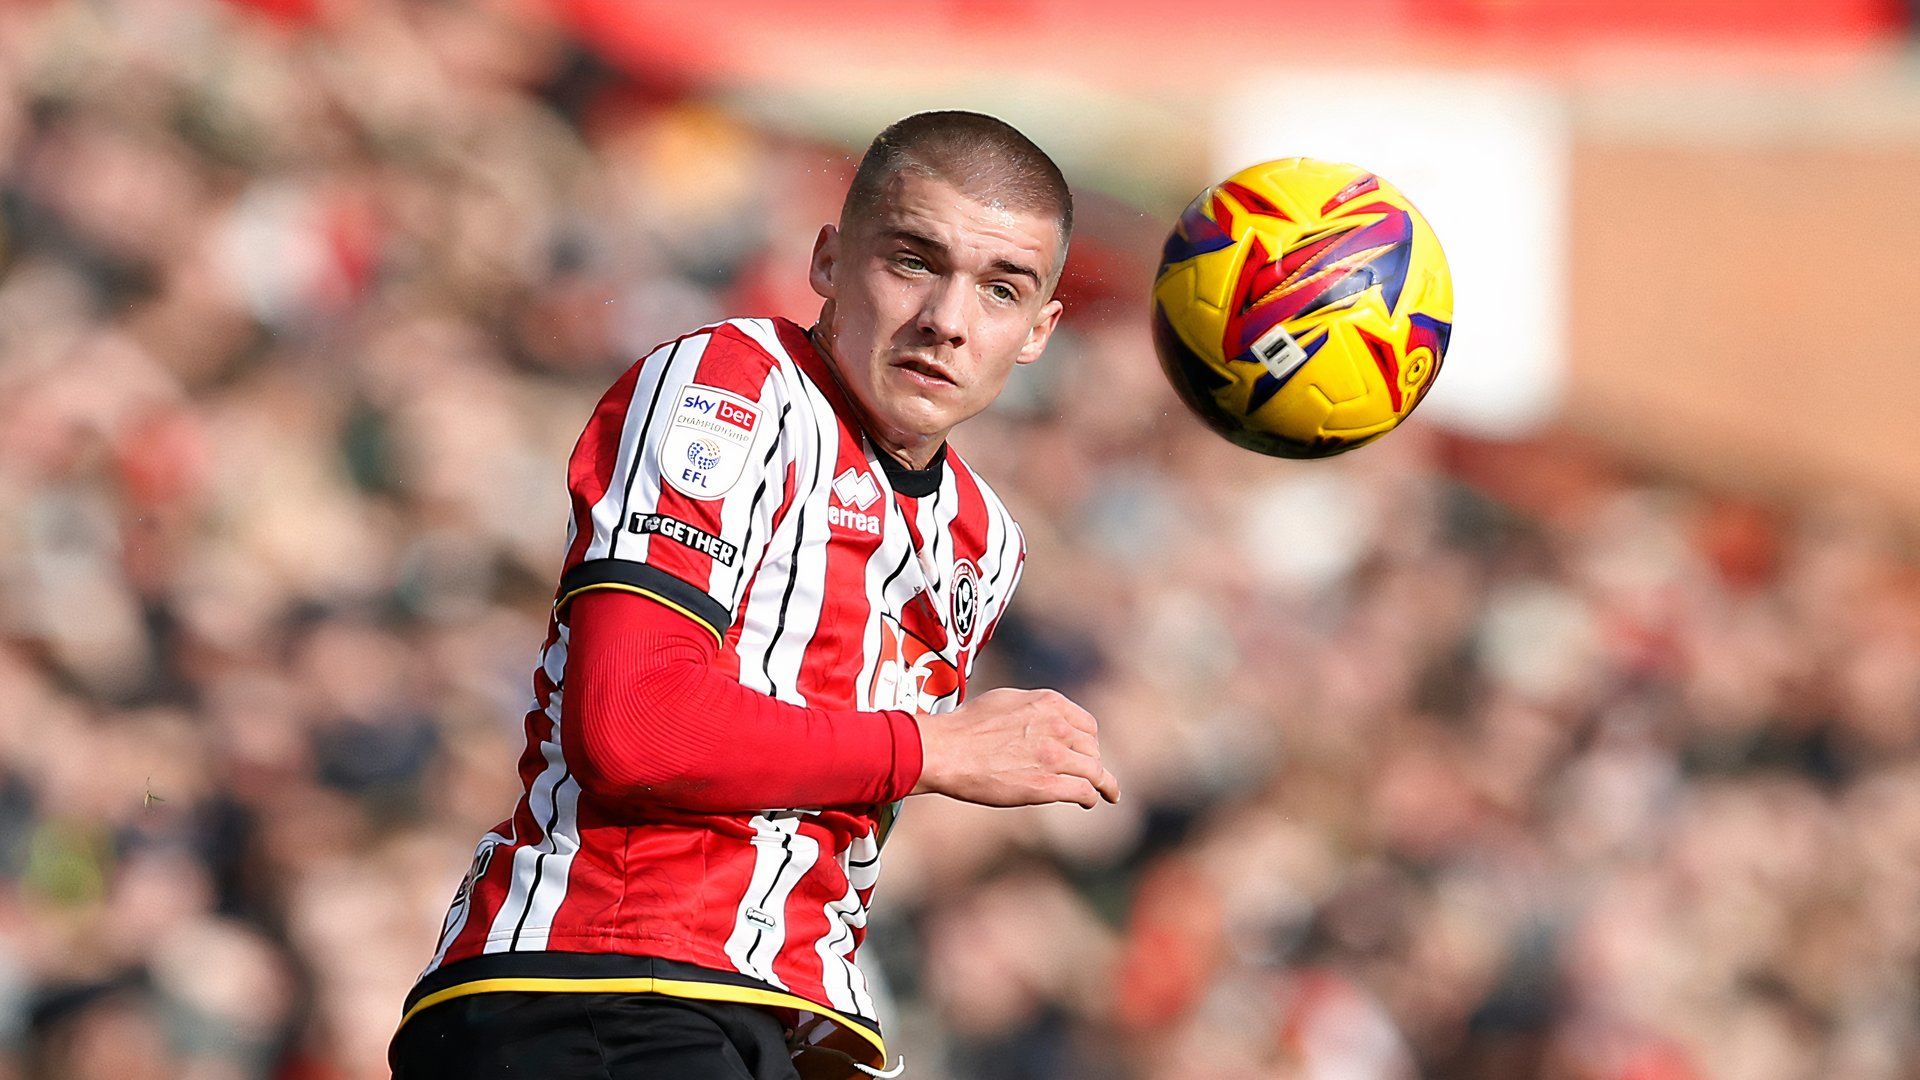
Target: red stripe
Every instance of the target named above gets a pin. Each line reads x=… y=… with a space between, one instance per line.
x=728 y=659
x=1389 y=365
x=596 y=878
x=829 y=666
x=799 y=965
x=1352 y=191
x=910 y=513
x=1254 y=201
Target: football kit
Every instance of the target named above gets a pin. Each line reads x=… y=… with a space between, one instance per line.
x=726 y=479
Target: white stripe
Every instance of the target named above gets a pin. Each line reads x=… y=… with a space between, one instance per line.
x=949 y=512
x=946 y=512
x=862 y=864
x=764 y=332
x=996 y=585
x=603 y=515
x=782 y=855
x=784 y=657
x=1006 y=594
x=760 y=607
x=551 y=802
x=553 y=659
x=540 y=804
x=845 y=984
x=1001 y=546
x=552 y=890
x=992 y=560
x=735 y=509
x=665 y=373
x=759 y=610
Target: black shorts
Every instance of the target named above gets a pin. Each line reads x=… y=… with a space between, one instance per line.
x=561 y=1036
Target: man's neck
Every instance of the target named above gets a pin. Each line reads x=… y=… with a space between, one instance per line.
x=910 y=455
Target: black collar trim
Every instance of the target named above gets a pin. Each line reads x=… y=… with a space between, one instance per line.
x=915 y=483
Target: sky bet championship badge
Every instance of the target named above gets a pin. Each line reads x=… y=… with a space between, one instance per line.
x=708 y=443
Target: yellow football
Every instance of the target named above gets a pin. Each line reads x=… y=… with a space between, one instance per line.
x=1302 y=308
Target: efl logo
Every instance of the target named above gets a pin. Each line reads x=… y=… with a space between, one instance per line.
x=707 y=444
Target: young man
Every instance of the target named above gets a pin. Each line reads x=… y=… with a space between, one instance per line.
x=777 y=579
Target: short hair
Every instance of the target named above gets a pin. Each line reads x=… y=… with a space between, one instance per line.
x=979 y=154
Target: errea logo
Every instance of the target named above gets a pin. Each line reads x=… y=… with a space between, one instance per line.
x=853 y=492
x=856 y=489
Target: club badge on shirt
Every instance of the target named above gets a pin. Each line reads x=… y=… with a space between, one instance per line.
x=708 y=441
x=964 y=603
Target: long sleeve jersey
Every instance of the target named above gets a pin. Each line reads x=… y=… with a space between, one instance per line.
x=705 y=817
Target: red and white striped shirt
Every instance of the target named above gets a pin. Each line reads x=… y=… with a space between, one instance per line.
x=725 y=476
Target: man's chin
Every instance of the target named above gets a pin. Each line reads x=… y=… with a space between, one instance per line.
x=913 y=418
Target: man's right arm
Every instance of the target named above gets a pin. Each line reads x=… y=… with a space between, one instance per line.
x=649 y=722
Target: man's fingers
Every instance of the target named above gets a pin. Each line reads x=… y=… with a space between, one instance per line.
x=1088 y=768
x=1082 y=742
x=1080 y=718
x=1074 y=789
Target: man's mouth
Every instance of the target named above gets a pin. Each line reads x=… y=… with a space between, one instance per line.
x=926 y=368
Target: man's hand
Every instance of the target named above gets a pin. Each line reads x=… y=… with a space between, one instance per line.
x=1015 y=748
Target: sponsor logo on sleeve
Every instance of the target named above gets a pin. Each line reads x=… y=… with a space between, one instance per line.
x=740 y=416
x=680 y=532
x=708 y=442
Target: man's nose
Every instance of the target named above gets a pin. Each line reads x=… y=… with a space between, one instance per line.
x=943 y=316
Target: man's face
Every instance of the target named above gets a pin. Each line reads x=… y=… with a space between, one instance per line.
x=932 y=300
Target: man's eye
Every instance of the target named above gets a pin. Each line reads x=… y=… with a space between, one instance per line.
x=1005 y=292
x=911 y=262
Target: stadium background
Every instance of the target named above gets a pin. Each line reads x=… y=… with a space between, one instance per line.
x=1579 y=740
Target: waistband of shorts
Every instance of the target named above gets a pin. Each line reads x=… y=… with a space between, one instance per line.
x=608 y=973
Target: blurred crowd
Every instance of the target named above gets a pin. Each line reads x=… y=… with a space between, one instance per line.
x=1441 y=759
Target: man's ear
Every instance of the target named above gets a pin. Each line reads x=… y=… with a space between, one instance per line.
x=826 y=259
x=1042 y=330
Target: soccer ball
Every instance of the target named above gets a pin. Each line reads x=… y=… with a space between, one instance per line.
x=1302 y=308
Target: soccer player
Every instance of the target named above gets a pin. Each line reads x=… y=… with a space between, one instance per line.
x=778 y=577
